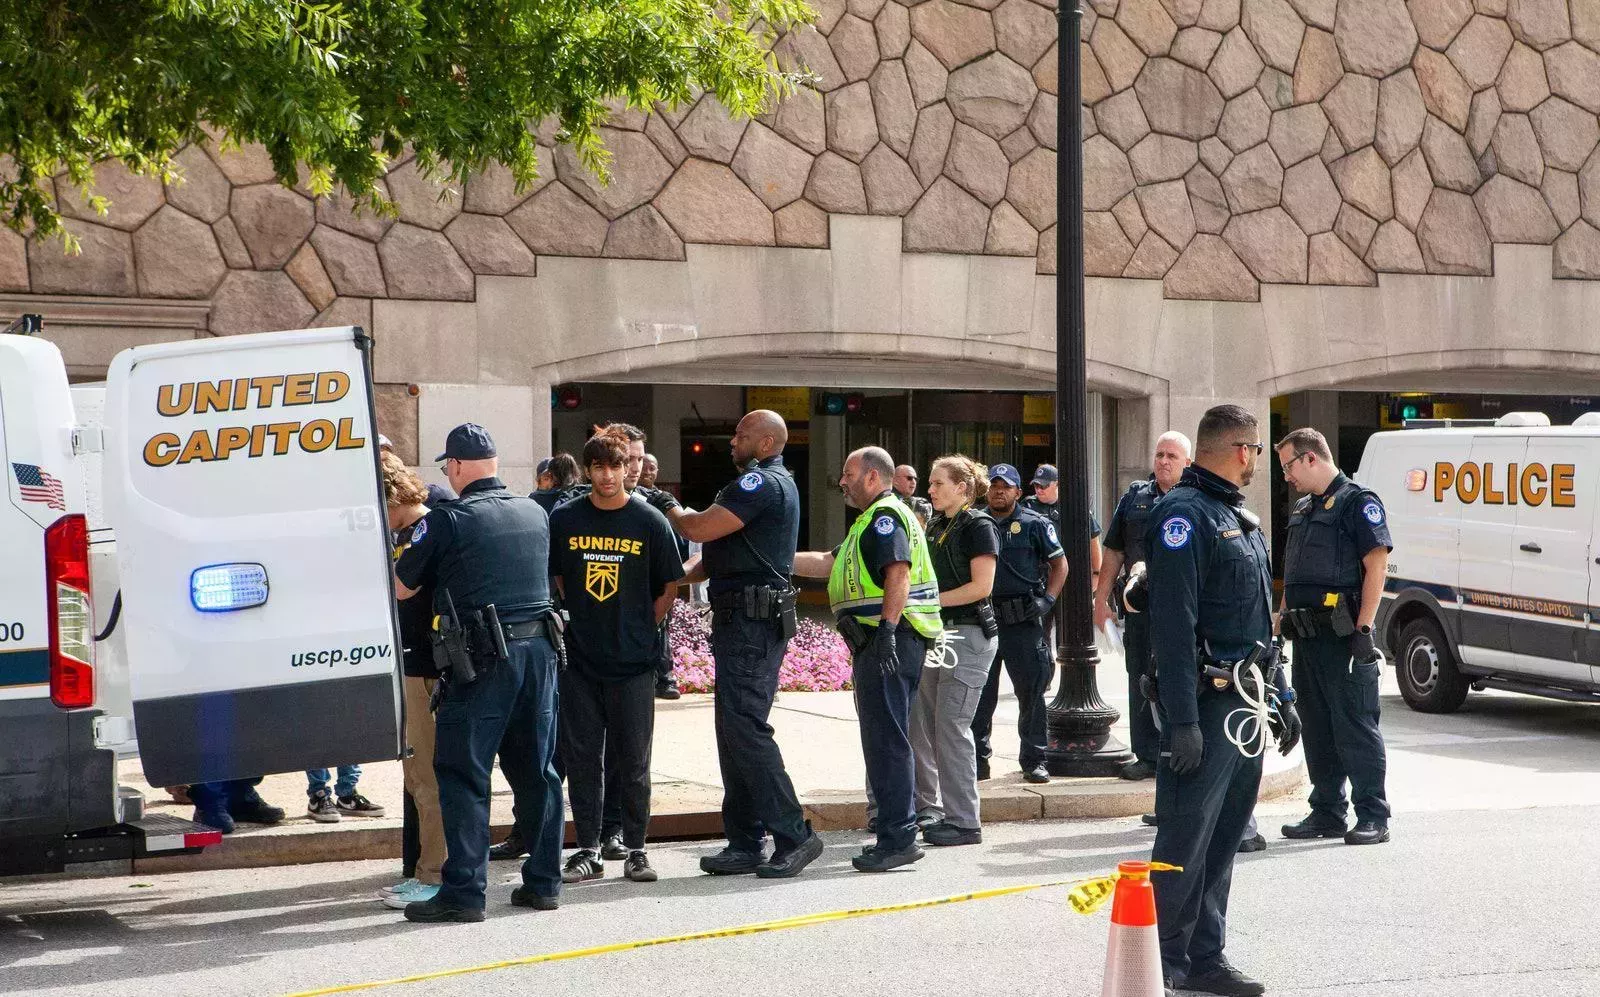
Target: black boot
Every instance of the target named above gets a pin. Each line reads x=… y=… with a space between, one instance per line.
x=789 y=862
x=1314 y=826
x=1221 y=979
x=730 y=861
x=511 y=848
x=1367 y=832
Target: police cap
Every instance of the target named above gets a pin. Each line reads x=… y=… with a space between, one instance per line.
x=1046 y=474
x=1006 y=473
x=468 y=441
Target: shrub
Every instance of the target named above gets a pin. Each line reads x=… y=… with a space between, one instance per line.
x=817 y=660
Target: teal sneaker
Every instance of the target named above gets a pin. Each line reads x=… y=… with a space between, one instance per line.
x=421 y=893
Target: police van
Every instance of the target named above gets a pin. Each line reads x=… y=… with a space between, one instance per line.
x=1495 y=577
x=197 y=569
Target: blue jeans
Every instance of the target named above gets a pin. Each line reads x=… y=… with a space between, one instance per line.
x=317 y=781
x=884 y=702
x=510 y=708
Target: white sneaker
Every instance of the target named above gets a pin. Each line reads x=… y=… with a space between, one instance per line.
x=404 y=886
x=398 y=901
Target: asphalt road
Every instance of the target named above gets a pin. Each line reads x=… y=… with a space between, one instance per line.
x=1488 y=888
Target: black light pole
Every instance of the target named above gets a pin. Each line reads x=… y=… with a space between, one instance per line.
x=1079 y=721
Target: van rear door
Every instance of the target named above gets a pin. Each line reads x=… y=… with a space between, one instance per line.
x=1555 y=491
x=241 y=478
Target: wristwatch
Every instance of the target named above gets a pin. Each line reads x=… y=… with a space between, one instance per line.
x=1367 y=629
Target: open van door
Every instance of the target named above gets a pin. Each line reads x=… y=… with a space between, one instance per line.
x=241 y=478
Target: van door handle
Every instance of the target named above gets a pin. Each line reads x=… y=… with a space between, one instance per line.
x=1532 y=548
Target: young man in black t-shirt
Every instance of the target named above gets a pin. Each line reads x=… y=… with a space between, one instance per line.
x=616 y=565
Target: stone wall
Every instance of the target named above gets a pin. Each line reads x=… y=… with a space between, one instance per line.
x=1230 y=143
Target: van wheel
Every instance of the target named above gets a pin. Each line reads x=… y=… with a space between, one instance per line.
x=1426 y=669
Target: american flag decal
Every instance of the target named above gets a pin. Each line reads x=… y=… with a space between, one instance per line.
x=34 y=485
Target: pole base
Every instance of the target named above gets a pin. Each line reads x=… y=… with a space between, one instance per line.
x=1079 y=721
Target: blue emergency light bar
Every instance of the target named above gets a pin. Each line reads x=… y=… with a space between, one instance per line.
x=223 y=588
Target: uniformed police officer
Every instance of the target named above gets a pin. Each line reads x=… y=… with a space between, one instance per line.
x=750 y=535
x=884 y=591
x=1210 y=602
x=1124 y=544
x=1028 y=577
x=1046 y=501
x=490 y=548
x=1333 y=572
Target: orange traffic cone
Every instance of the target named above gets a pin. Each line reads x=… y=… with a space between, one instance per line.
x=1133 y=954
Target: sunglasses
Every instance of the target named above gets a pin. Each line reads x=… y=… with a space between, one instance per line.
x=1257 y=447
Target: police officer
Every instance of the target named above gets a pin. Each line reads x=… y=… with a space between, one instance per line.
x=1028 y=577
x=750 y=534
x=1046 y=501
x=1333 y=572
x=1124 y=546
x=490 y=548
x=1210 y=603
x=884 y=591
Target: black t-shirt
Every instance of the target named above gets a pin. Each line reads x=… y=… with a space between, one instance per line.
x=613 y=564
x=955 y=542
x=416 y=622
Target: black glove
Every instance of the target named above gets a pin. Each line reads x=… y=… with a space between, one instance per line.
x=1187 y=748
x=1362 y=648
x=883 y=649
x=1285 y=726
x=660 y=499
x=1043 y=604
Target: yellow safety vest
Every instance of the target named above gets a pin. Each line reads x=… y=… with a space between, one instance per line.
x=852 y=591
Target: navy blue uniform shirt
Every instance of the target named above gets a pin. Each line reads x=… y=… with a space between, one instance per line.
x=1326 y=538
x=766 y=501
x=1210 y=585
x=1028 y=543
x=487 y=547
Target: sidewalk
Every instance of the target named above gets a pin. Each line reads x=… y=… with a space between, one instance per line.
x=821 y=748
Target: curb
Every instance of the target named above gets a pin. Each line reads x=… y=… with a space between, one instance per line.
x=844 y=811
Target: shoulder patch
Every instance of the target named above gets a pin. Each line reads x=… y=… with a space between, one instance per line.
x=884 y=525
x=1374 y=513
x=1175 y=533
x=420 y=530
x=1050 y=531
x=751 y=481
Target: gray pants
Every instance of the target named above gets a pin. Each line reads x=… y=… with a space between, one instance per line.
x=941 y=729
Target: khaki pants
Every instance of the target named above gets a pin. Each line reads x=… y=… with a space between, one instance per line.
x=420 y=781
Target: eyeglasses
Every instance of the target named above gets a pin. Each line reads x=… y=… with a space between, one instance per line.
x=1257 y=447
x=1290 y=462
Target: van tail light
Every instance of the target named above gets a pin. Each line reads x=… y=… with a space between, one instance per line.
x=66 y=558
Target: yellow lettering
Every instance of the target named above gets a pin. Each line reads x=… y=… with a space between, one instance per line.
x=1511 y=484
x=1561 y=487
x=241 y=393
x=264 y=387
x=332 y=385
x=1534 y=490
x=211 y=397
x=231 y=438
x=317 y=436
x=174 y=399
x=258 y=440
x=297 y=389
x=198 y=448
x=348 y=440
x=1490 y=496
x=281 y=433
x=572 y=543
x=1467 y=483
x=1444 y=475
x=161 y=450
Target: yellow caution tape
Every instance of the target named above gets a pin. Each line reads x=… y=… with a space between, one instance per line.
x=1086 y=897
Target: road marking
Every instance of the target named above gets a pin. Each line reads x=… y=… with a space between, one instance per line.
x=1088 y=895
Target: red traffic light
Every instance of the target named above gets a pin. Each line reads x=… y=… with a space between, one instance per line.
x=569 y=397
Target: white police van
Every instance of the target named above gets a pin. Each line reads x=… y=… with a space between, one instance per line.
x=1495 y=577
x=246 y=592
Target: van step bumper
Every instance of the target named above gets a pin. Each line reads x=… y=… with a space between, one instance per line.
x=157 y=834
x=1530 y=689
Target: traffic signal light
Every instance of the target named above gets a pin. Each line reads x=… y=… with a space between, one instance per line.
x=1405 y=407
x=838 y=403
x=566 y=397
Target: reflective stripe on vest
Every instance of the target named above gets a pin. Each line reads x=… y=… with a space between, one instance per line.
x=852 y=591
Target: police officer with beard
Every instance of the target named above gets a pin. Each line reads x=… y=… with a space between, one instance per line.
x=1210 y=606
x=1124 y=547
x=750 y=534
x=1333 y=572
x=487 y=554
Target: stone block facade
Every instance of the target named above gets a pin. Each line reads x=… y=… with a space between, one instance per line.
x=1230 y=143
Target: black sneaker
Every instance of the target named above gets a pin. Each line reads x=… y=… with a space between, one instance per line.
x=638 y=868
x=876 y=859
x=524 y=897
x=1367 y=832
x=434 y=912
x=1036 y=775
x=944 y=834
x=1255 y=844
x=1221 y=979
x=255 y=810
x=668 y=689
x=1148 y=820
x=511 y=848
x=612 y=849
x=356 y=805
x=730 y=861
x=322 y=808
x=1314 y=826
x=217 y=820
x=1137 y=771
x=788 y=863
x=584 y=865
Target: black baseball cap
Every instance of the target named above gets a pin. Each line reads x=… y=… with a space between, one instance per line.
x=1046 y=474
x=468 y=441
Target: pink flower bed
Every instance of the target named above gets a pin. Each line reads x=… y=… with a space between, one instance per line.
x=817 y=660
